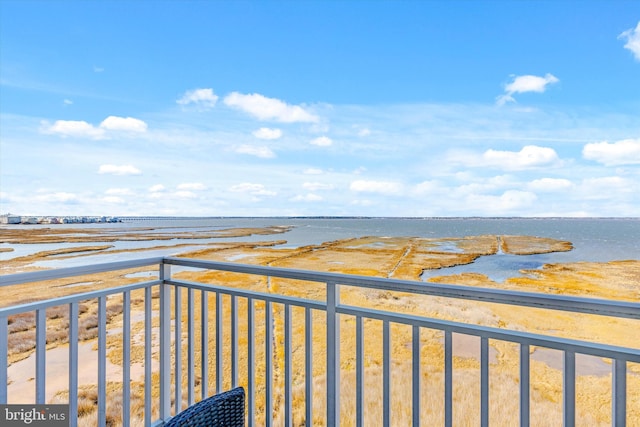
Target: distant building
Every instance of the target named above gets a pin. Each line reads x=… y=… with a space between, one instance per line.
x=10 y=219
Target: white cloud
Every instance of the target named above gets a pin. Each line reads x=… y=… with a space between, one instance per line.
x=80 y=128
x=203 y=98
x=322 y=141
x=251 y=188
x=632 y=38
x=526 y=83
x=606 y=187
x=313 y=171
x=192 y=186
x=383 y=187
x=58 y=197
x=119 y=170
x=264 y=108
x=119 y=192
x=364 y=132
x=113 y=200
x=263 y=152
x=310 y=197
x=426 y=187
x=509 y=202
x=625 y=152
x=157 y=188
x=184 y=194
x=73 y=128
x=515 y=199
x=549 y=184
x=530 y=156
x=67 y=102
x=314 y=186
x=124 y=124
x=267 y=133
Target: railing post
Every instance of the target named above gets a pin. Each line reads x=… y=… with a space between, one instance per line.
x=102 y=361
x=448 y=378
x=619 y=401
x=333 y=355
x=484 y=381
x=524 y=385
x=126 y=359
x=165 y=342
x=4 y=363
x=569 y=389
x=148 y=345
x=41 y=354
x=178 y=348
x=74 y=311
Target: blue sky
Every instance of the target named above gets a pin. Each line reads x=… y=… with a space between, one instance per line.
x=373 y=108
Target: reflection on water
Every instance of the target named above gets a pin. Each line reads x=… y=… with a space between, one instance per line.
x=498 y=267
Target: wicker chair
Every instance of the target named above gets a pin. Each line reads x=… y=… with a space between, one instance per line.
x=224 y=409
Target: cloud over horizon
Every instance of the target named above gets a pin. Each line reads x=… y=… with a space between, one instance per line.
x=83 y=129
x=263 y=108
x=624 y=152
x=202 y=98
x=267 y=133
x=526 y=83
x=632 y=38
x=119 y=170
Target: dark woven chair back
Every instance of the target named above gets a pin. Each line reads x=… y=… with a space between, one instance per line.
x=224 y=410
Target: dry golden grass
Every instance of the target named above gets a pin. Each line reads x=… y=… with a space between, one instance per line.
x=402 y=258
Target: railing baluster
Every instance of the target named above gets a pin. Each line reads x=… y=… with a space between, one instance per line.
x=204 y=344
x=191 y=332
x=102 y=361
x=250 y=363
x=287 y=367
x=417 y=376
x=333 y=355
x=41 y=354
x=177 y=342
x=569 y=388
x=165 y=343
x=219 y=344
x=386 y=375
x=126 y=358
x=359 y=372
x=619 y=401
x=448 y=379
x=73 y=364
x=524 y=385
x=234 y=341
x=268 y=355
x=4 y=359
x=484 y=382
x=147 y=355
x=308 y=365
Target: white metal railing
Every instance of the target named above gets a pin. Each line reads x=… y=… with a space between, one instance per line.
x=170 y=348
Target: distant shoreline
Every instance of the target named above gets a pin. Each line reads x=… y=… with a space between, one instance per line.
x=97 y=219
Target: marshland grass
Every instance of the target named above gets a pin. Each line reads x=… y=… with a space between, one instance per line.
x=401 y=258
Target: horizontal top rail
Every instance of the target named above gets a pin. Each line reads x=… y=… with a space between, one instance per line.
x=530 y=299
x=52 y=302
x=58 y=273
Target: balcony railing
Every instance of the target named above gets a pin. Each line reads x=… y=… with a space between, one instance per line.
x=283 y=348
